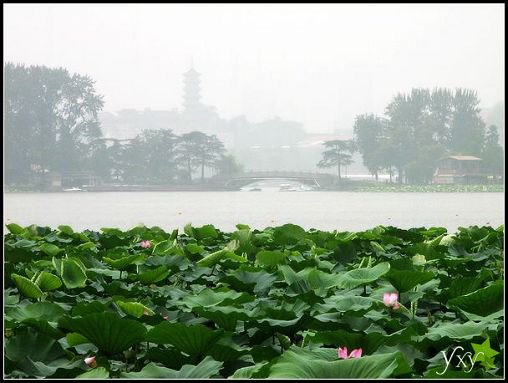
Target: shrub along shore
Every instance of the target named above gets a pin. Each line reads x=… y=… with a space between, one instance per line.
x=453 y=188
x=278 y=303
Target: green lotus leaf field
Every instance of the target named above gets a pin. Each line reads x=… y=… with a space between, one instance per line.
x=283 y=302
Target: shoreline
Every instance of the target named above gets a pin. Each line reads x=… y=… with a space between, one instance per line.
x=355 y=189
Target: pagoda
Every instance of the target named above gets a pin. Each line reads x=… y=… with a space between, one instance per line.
x=191 y=93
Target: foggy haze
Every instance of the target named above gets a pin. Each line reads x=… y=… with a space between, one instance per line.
x=245 y=191
x=319 y=65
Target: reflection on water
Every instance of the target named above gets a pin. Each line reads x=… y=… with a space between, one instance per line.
x=323 y=210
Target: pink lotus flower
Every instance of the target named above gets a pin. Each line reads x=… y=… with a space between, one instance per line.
x=91 y=362
x=145 y=244
x=391 y=300
x=342 y=353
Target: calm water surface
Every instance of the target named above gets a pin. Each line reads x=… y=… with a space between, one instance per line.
x=322 y=210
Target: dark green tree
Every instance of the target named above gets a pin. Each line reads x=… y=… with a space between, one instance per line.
x=387 y=155
x=121 y=160
x=19 y=124
x=151 y=157
x=407 y=129
x=420 y=128
x=131 y=160
x=51 y=119
x=440 y=115
x=369 y=132
x=467 y=126
x=337 y=153
x=492 y=153
x=198 y=150
x=422 y=166
x=160 y=152
x=228 y=165
x=100 y=160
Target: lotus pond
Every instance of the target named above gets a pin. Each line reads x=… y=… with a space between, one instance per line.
x=277 y=303
x=432 y=188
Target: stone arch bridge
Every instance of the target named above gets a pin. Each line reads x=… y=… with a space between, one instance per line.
x=236 y=181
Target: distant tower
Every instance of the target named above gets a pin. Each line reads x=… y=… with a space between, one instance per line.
x=191 y=92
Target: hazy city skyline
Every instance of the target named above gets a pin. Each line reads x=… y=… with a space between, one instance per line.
x=317 y=64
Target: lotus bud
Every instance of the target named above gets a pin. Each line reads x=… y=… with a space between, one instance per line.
x=145 y=244
x=391 y=300
x=419 y=260
x=343 y=354
x=91 y=361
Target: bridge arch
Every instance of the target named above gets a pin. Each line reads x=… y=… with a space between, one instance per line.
x=237 y=181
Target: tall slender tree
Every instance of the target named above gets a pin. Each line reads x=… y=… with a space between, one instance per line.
x=492 y=153
x=406 y=113
x=369 y=133
x=467 y=126
x=440 y=115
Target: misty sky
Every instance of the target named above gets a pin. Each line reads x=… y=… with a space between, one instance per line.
x=317 y=64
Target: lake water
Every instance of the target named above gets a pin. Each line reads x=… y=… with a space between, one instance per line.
x=322 y=210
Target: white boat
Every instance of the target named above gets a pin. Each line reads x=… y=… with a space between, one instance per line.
x=287 y=187
x=295 y=188
x=73 y=190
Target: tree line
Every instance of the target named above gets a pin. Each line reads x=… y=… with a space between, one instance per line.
x=51 y=124
x=418 y=129
x=162 y=157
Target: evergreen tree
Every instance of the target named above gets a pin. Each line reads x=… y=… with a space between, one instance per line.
x=338 y=153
